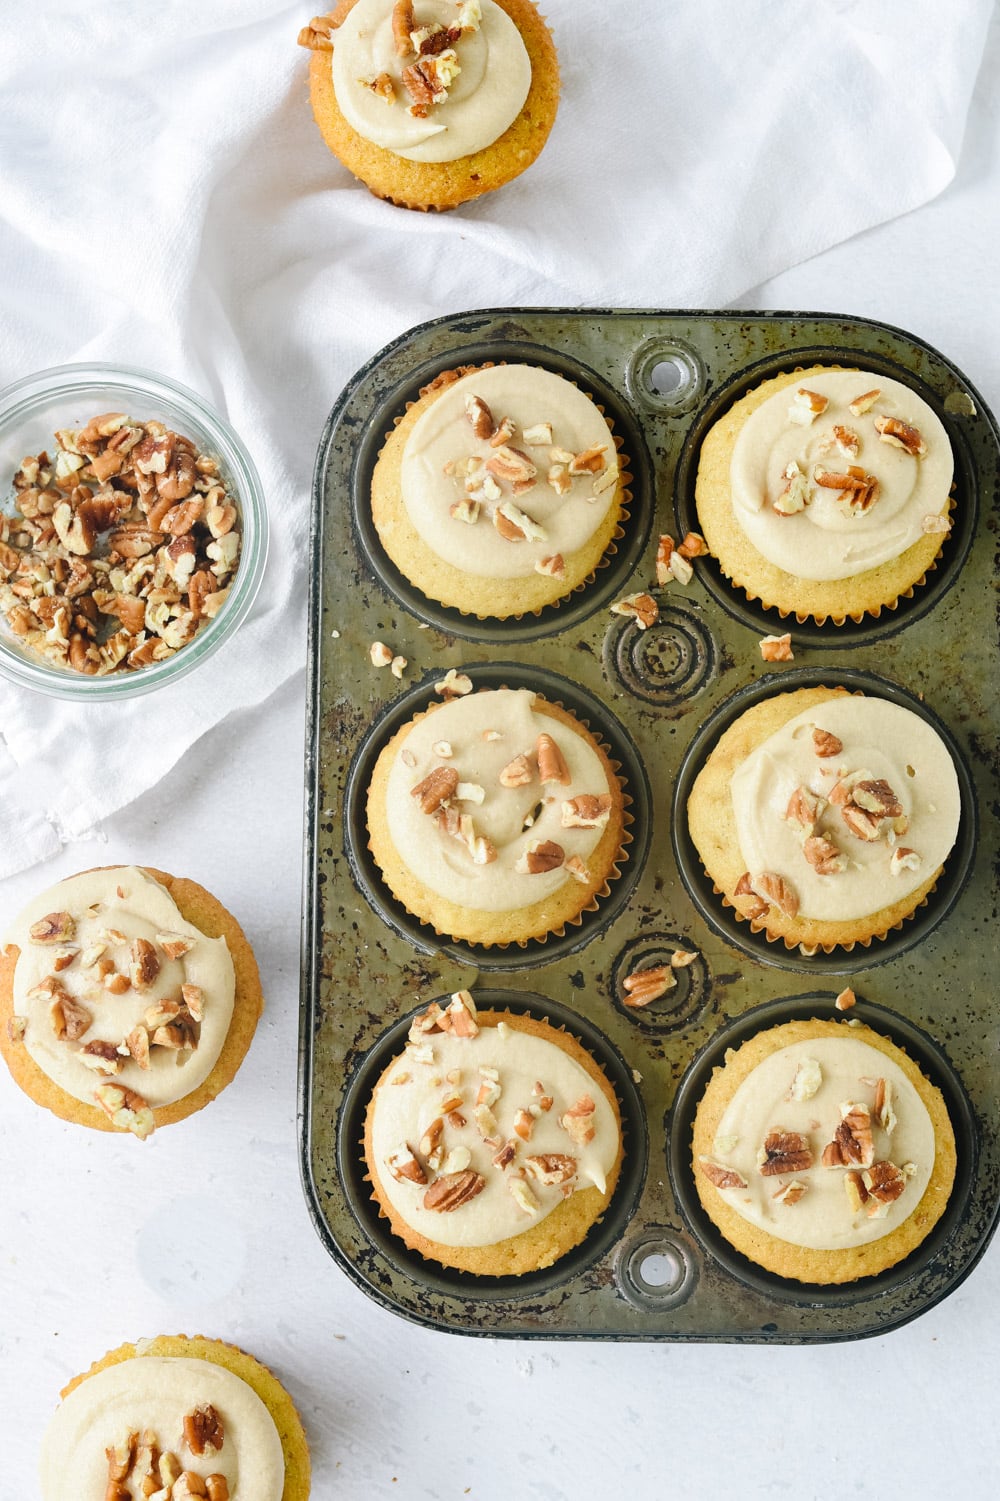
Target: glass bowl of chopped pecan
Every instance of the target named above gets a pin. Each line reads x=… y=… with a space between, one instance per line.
x=133 y=532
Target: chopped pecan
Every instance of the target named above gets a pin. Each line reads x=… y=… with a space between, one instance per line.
x=511 y=464
x=551 y=762
x=776 y=891
x=722 y=1177
x=216 y=1488
x=900 y=435
x=795 y=495
x=552 y=567
x=551 y=1167
x=590 y=461
x=806 y=1080
x=777 y=648
x=144 y=964
x=846 y=440
x=17 y=1026
x=824 y=856
x=203 y=1430
x=884 y=1113
x=542 y=855
x=121 y=1457
x=578 y=869
x=845 y=1000
x=642 y=607
x=57 y=927
x=515 y=526
x=102 y=1056
x=790 y=1193
x=784 y=1152
x=807 y=406
x=664 y=553
x=803 y=809
x=932 y=524
x=693 y=545
x=436 y=788
x=70 y=1018
x=884 y=1181
x=125 y=1109
x=460 y=1016
x=902 y=859
x=853 y=1137
x=825 y=744
x=877 y=797
x=578 y=1121
x=517 y=773
x=865 y=402
x=479 y=415
x=505 y=1155
x=643 y=986
x=744 y=888
x=452 y=1190
x=587 y=811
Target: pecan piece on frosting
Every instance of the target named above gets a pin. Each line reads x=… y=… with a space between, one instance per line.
x=578 y=1121
x=884 y=1181
x=203 y=1430
x=824 y=856
x=807 y=406
x=551 y=762
x=876 y=796
x=802 y=810
x=553 y=567
x=517 y=773
x=144 y=964
x=452 y=1190
x=511 y=464
x=70 y=1018
x=852 y=1144
x=57 y=927
x=825 y=744
x=790 y=1193
x=784 y=1152
x=865 y=402
x=586 y=811
x=121 y=1458
x=900 y=435
x=902 y=859
x=542 y=855
x=436 y=788
x=722 y=1177
x=551 y=1167
x=479 y=416
x=796 y=494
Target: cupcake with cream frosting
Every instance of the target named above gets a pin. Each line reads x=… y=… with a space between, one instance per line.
x=500 y=491
x=429 y=102
x=822 y=1153
x=493 y=1142
x=128 y=998
x=824 y=493
x=824 y=818
x=496 y=817
x=176 y=1418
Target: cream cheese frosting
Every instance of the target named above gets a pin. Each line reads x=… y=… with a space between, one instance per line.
x=109 y=912
x=880 y=741
x=482 y=98
x=825 y=539
x=552 y=423
x=534 y=1079
x=154 y=1394
x=845 y=1071
x=483 y=733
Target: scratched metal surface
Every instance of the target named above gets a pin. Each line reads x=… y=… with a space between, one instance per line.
x=652 y=1270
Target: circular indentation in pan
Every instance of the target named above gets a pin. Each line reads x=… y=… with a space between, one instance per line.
x=929 y=1263
x=438 y=1281
x=656 y=1271
x=611 y=573
x=739 y=933
x=686 y=998
x=669 y=662
x=638 y=807
x=766 y=620
x=666 y=375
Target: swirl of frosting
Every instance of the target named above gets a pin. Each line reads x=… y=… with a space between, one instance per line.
x=121 y=962
x=803 y=468
x=459 y=483
x=492 y=776
x=151 y=1396
x=475 y=93
x=886 y=803
x=804 y=1091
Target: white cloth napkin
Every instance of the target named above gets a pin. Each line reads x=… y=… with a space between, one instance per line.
x=167 y=202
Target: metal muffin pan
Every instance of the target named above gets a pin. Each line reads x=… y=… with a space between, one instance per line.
x=651 y=1270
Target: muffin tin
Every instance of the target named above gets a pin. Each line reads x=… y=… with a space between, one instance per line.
x=653 y=1269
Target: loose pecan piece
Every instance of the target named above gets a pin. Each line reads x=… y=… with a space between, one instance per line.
x=643 y=986
x=642 y=607
x=777 y=648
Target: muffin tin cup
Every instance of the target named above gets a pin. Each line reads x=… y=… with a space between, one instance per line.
x=653 y=697
x=841 y=960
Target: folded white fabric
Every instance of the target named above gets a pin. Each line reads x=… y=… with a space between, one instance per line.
x=169 y=203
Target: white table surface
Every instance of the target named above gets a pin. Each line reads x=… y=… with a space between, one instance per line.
x=205 y=1229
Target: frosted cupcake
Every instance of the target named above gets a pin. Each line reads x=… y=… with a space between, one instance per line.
x=825 y=818
x=822 y=1153
x=493 y=1143
x=431 y=103
x=176 y=1418
x=500 y=491
x=496 y=817
x=825 y=493
x=128 y=999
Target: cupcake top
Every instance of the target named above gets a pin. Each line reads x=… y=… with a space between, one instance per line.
x=116 y=994
x=825 y=1144
x=431 y=80
x=494 y=804
x=167 y=1416
x=509 y=471
x=851 y=804
x=478 y=1133
x=841 y=474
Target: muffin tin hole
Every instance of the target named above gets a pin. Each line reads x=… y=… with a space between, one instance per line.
x=427 y=1279
x=638 y=809
x=668 y=663
x=686 y=998
x=723 y=920
x=657 y=1271
x=617 y=565
x=666 y=375
x=852 y=634
x=903 y=1289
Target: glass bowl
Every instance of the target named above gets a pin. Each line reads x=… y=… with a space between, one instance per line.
x=33 y=409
